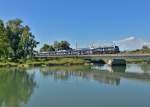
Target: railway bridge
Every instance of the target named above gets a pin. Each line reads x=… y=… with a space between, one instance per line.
x=109 y=56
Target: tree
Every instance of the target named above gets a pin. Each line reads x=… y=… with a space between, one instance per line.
x=23 y=44
x=26 y=43
x=16 y=40
x=21 y=40
x=51 y=48
x=32 y=44
x=4 y=45
x=62 y=45
x=47 y=48
x=14 y=30
x=145 y=47
x=56 y=45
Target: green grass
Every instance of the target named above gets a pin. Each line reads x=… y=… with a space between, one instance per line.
x=137 y=61
x=9 y=64
x=58 y=61
x=42 y=62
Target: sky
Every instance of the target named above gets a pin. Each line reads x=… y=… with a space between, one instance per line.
x=81 y=21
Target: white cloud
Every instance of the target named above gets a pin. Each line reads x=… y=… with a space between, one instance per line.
x=131 y=43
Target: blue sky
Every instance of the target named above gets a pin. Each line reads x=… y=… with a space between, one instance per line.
x=83 y=21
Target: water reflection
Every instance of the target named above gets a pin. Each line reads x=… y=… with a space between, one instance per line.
x=65 y=73
x=118 y=69
x=16 y=87
x=145 y=68
x=102 y=74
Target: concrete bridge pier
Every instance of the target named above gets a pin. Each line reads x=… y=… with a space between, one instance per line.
x=115 y=62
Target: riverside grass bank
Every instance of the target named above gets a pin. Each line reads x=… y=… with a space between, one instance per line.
x=85 y=60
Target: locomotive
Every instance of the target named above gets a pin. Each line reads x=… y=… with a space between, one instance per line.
x=106 y=50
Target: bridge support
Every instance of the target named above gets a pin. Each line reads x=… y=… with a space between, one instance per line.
x=114 y=62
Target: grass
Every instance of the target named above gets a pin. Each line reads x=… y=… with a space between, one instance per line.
x=9 y=64
x=44 y=62
x=58 y=61
x=135 y=61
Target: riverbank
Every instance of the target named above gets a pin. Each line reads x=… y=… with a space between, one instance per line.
x=62 y=61
x=44 y=62
x=137 y=61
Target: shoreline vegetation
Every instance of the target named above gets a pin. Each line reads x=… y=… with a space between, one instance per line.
x=61 y=62
x=45 y=62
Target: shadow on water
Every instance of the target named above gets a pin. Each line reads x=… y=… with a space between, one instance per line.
x=111 y=75
x=118 y=69
x=16 y=87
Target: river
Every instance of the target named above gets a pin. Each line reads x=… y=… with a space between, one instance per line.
x=76 y=86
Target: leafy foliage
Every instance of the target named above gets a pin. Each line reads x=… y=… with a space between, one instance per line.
x=62 y=45
x=16 y=40
x=4 y=45
x=47 y=47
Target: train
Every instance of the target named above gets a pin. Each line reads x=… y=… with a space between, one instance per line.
x=83 y=51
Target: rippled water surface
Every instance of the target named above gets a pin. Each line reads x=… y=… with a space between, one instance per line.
x=76 y=86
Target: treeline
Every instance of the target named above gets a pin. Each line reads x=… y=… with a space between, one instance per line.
x=57 y=45
x=16 y=40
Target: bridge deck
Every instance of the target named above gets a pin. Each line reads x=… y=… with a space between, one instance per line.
x=99 y=55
